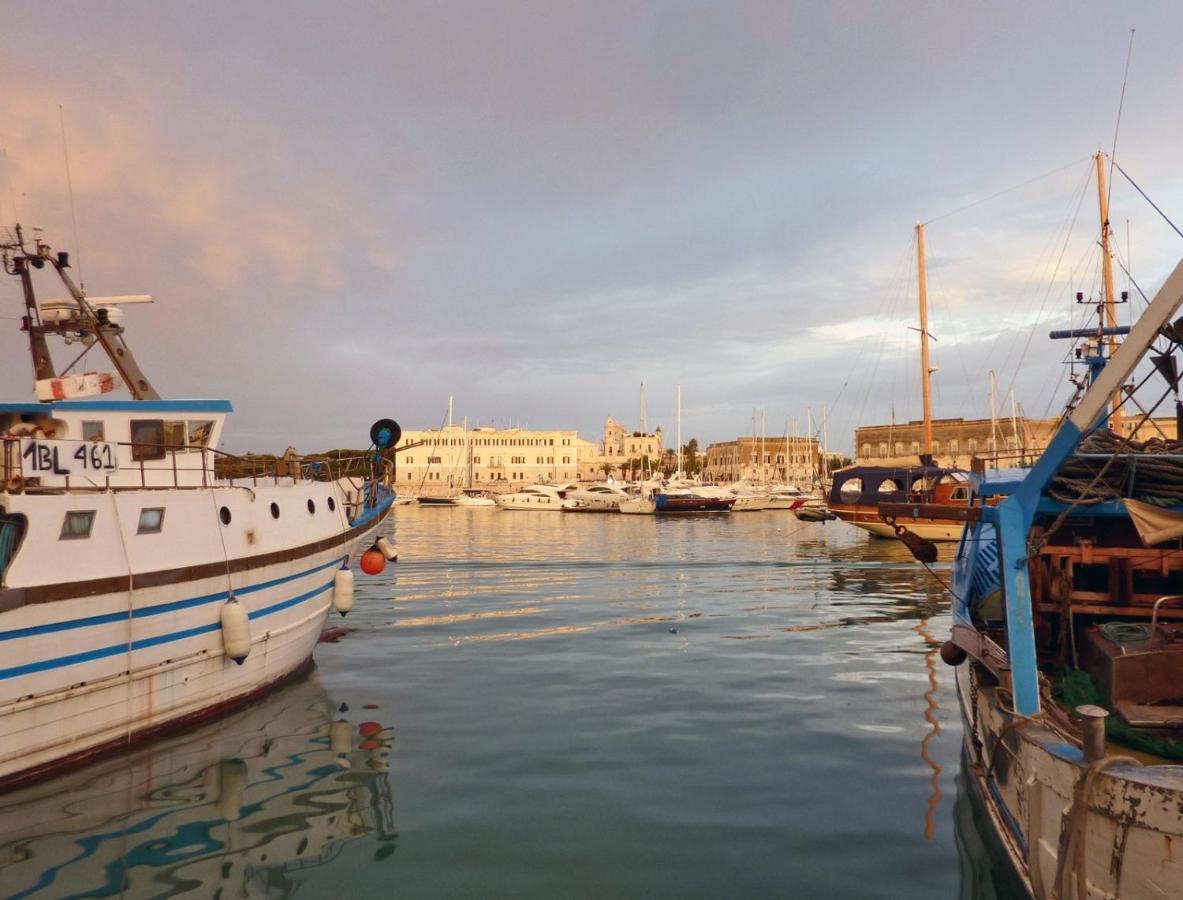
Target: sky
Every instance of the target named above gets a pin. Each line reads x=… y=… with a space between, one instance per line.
x=352 y=210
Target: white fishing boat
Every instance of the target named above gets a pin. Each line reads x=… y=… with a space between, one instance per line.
x=148 y=580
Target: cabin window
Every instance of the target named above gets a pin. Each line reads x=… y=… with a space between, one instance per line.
x=174 y=435
x=888 y=487
x=224 y=515
x=92 y=431
x=77 y=524
x=311 y=506
x=147 y=439
x=200 y=432
x=151 y=520
x=960 y=493
x=850 y=490
x=332 y=505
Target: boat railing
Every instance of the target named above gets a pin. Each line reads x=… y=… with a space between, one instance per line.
x=174 y=467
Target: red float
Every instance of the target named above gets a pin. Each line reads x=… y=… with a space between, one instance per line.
x=373 y=562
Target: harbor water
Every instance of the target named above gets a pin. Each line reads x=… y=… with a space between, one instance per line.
x=530 y=704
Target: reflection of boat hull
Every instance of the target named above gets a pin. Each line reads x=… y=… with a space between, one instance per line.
x=1028 y=780
x=868 y=519
x=670 y=504
x=638 y=506
x=236 y=806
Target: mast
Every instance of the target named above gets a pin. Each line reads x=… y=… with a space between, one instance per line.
x=809 y=443
x=1014 y=420
x=678 y=471
x=925 y=367
x=643 y=423
x=825 y=441
x=449 y=412
x=763 y=432
x=994 y=415
x=1110 y=316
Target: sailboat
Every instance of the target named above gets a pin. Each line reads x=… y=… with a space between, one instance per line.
x=857 y=491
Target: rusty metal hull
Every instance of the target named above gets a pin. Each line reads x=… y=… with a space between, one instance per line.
x=1123 y=833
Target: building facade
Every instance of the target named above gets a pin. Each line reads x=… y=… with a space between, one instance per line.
x=620 y=443
x=761 y=460
x=955 y=442
x=439 y=461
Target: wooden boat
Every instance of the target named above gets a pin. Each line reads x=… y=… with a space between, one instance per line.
x=924 y=483
x=148 y=580
x=1067 y=639
x=858 y=491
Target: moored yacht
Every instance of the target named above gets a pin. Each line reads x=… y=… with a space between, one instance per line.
x=594 y=498
x=545 y=497
x=148 y=579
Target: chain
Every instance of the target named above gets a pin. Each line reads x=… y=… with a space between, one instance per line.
x=973 y=706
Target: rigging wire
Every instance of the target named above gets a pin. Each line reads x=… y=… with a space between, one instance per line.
x=1048 y=292
x=1117 y=125
x=1005 y=191
x=70 y=189
x=1165 y=217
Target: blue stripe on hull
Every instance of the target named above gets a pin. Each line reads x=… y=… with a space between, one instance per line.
x=159 y=609
x=116 y=649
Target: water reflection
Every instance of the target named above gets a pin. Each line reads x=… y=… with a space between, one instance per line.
x=234 y=809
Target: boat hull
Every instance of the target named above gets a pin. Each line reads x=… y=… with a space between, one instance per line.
x=93 y=666
x=674 y=505
x=868 y=519
x=1027 y=776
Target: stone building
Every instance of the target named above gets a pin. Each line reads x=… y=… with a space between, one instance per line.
x=762 y=460
x=437 y=461
x=622 y=444
x=956 y=441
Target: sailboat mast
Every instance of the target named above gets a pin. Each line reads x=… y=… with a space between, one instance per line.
x=925 y=366
x=994 y=415
x=679 y=469
x=1110 y=317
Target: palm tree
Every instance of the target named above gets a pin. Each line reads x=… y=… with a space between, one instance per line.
x=607 y=468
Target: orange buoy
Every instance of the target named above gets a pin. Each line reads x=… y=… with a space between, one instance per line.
x=373 y=562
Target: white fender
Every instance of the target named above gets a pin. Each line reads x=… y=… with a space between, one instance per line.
x=343 y=591
x=387 y=549
x=236 y=630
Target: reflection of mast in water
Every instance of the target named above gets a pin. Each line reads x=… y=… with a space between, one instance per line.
x=930 y=716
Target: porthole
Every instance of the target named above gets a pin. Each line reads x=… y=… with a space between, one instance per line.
x=311 y=506
x=275 y=510
x=332 y=505
x=224 y=515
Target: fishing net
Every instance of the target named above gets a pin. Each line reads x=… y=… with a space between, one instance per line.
x=1076 y=688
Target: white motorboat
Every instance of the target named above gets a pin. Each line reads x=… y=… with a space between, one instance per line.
x=544 y=497
x=147 y=579
x=594 y=498
x=787 y=496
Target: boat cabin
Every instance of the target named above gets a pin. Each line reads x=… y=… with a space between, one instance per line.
x=101 y=444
